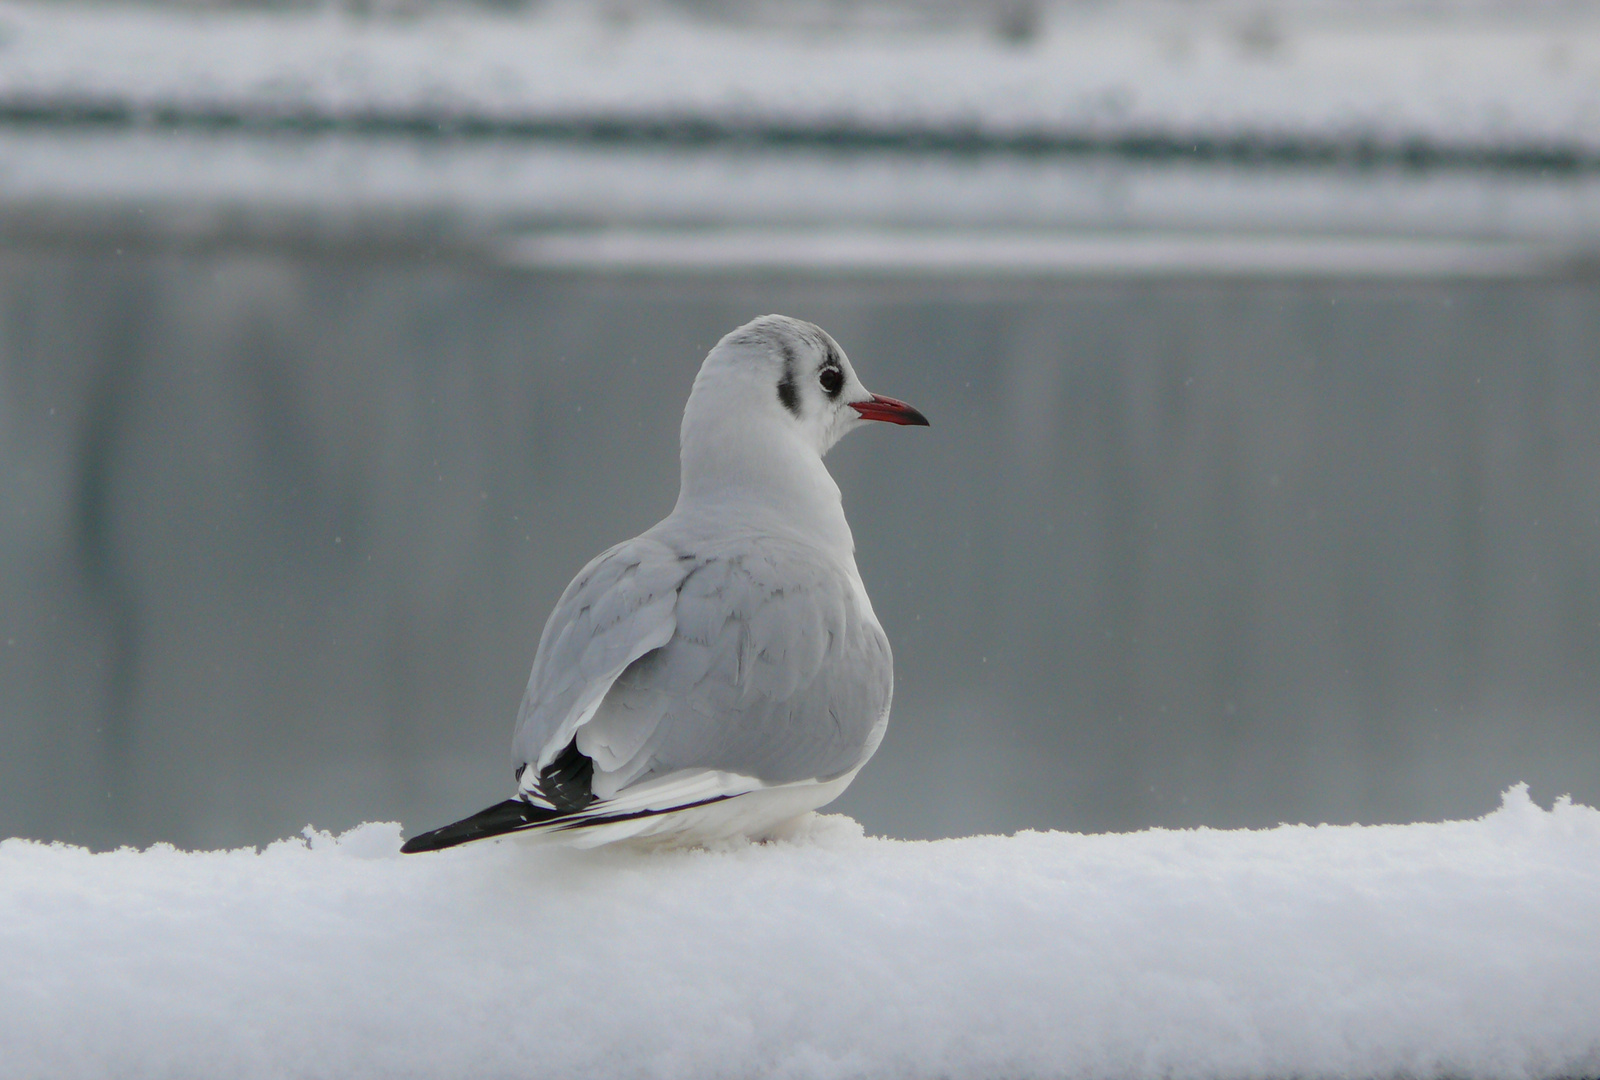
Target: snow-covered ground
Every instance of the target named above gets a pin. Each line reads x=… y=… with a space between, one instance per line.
x=229 y=125
x=1463 y=949
x=1463 y=80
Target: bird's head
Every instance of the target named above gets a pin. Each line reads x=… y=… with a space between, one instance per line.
x=780 y=379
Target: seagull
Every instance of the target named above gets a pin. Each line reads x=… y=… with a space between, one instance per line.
x=722 y=673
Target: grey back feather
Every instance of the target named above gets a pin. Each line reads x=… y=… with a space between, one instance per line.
x=753 y=656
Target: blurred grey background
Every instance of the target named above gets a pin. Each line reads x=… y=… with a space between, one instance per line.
x=1256 y=491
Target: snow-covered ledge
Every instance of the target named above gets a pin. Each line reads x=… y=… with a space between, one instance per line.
x=1463 y=949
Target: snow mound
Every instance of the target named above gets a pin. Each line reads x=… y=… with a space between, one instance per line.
x=1462 y=949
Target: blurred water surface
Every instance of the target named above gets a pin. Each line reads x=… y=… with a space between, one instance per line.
x=279 y=528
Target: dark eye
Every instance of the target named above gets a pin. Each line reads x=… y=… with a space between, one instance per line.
x=832 y=380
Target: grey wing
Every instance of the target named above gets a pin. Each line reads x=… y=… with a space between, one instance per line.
x=776 y=670
x=619 y=608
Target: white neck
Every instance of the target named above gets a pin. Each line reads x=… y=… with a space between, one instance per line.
x=735 y=477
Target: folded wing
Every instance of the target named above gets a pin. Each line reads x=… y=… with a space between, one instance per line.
x=619 y=608
x=776 y=670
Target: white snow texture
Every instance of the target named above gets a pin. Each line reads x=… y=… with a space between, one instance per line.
x=1461 y=949
x=1522 y=74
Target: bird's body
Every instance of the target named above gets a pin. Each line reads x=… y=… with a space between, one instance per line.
x=723 y=672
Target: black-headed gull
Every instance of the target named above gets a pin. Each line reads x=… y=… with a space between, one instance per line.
x=723 y=673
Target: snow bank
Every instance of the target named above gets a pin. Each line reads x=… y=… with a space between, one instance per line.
x=642 y=115
x=1467 y=949
x=1364 y=77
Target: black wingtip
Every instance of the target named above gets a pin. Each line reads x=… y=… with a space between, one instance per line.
x=507 y=817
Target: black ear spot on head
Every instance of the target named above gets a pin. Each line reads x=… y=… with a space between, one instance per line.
x=788 y=393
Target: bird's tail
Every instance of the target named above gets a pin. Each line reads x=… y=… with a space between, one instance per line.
x=517 y=816
x=513 y=815
x=562 y=802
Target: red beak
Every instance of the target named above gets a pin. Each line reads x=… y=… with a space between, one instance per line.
x=889 y=411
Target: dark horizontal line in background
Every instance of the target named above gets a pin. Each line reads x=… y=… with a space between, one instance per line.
x=1243 y=148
